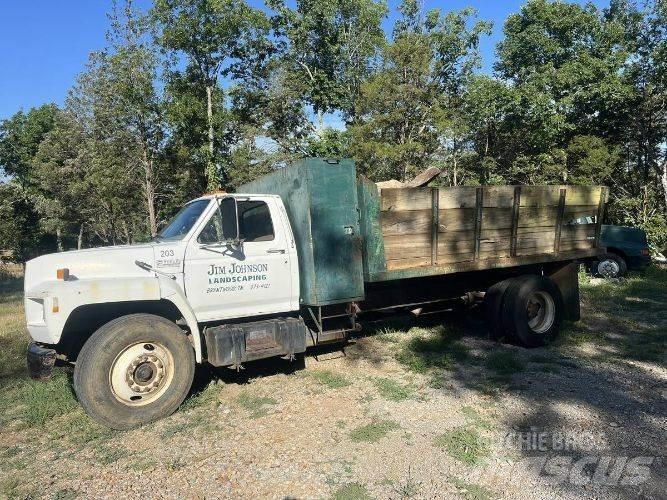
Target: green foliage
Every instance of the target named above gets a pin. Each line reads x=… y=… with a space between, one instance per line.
x=328 y=378
x=373 y=432
x=255 y=405
x=20 y=136
x=504 y=363
x=352 y=491
x=465 y=444
x=393 y=390
x=44 y=401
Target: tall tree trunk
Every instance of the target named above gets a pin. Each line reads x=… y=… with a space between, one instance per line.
x=664 y=180
x=59 y=240
x=79 y=241
x=149 y=190
x=211 y=174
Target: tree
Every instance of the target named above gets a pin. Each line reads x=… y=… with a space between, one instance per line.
x=409 y=111
x=20 y=136
x=217 y=38
x=327 y=49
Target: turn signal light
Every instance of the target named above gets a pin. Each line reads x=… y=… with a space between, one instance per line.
x=62 y=274
x=55 y=306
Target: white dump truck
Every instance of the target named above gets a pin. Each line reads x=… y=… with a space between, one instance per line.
x=299 y=258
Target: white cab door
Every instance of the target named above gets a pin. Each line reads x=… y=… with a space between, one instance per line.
x=222 y=282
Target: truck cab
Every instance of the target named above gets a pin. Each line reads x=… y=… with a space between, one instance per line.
x=208 y=275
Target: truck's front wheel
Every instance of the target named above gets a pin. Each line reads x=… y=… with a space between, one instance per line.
x=133 y=370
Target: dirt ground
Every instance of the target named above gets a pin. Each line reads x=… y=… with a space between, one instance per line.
x=424 y=408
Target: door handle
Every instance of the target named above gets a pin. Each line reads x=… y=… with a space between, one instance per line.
x=276 y=250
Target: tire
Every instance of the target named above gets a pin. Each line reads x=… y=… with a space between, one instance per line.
x=134 y=370
x=532 y=310
x=609 y=265
x=493 y=306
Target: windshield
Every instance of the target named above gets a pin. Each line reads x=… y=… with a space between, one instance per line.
x=181 y=224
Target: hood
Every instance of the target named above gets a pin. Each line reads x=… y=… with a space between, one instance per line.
x=103 y=262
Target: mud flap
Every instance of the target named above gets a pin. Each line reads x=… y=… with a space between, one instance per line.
x=567 y=279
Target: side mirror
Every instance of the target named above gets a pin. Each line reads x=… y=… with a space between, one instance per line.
x=230 y=220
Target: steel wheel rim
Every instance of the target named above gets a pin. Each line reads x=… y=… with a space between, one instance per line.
x=141 y=373
x=540 y=312
x=608 y=268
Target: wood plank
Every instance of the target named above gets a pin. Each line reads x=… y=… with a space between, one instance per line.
x=407 y=246
x=406 y=221
x=419 y=245
x=405 y=199
x=537 y=231
x=527 y=245
x=540 y=196
x=538 y=216
x=494 y=254
x=456 y=219
x=408 y=263
x=424 y=178
x=498 y=263
x=498 y=196
x=497 y=218
x=457 y=197
x=582 y=195
x=504 y=233
x=451 y=258
x=578 y=232
x=461 y=242
x=570 y=245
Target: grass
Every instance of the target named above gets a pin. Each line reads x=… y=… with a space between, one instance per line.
x=352 y=491
x=393 y=390
x=473 y=491
x=256 y=406
x=330 y=379
x=373 y=432
x=438 y=347
x=106 y=454
x=45 y=401
x=504 y=363
x=192 y=421
x=474 y=418
x=205 y=397
x=465 y=444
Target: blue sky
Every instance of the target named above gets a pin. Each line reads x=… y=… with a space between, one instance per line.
x=45 y=43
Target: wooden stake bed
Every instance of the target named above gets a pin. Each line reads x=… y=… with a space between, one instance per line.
x=411 y=232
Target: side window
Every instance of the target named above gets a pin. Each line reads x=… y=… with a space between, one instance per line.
x=254 y=224
x=255 y=221
x=212 y=232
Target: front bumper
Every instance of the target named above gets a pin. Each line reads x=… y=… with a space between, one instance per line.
x=638 y=262
x=41 y=361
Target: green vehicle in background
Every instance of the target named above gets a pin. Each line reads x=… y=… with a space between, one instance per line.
x=627 y=249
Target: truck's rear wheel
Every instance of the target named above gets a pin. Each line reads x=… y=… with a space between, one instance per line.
x=133 y=370
x=532 y=310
